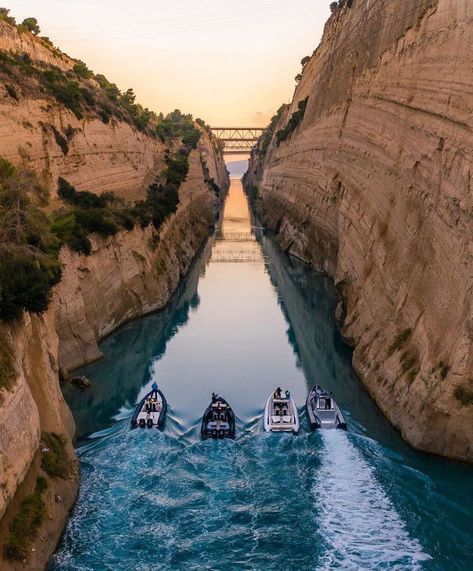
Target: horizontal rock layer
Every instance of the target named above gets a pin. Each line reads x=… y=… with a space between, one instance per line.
x=375 y=188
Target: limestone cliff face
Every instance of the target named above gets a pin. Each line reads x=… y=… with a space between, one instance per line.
x=35 y=405
x=135 y=272
x=375 y=188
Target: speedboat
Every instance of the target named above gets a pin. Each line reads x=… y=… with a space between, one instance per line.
x=323 y=411
x=280 y=414
x=218 y=420
x=151 y=410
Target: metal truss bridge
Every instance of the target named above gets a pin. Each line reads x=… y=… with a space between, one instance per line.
x=238 y=140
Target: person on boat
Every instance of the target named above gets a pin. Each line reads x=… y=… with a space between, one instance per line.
x=328 y=404
x=288 y=394
x=154 y=386
x=148 y=405
x=214 y=398
x=153 y=405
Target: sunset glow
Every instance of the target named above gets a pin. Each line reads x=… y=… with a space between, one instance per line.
x=228 y=62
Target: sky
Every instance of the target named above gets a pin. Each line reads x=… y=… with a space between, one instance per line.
x=230 y=62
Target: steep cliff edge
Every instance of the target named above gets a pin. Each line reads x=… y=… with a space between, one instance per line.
x=99 y=141
x=372 y=184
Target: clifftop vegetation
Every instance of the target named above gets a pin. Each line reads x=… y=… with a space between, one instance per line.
x=83 y=92
x=30 y=240
x=30 y=236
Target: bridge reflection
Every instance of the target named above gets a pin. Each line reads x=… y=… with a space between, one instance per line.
x=235 y=241
x=236 y=256
x=236 y=237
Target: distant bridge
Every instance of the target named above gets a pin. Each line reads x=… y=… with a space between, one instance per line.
x=238 y=140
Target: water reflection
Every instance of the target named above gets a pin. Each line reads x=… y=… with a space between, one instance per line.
x=361 y=500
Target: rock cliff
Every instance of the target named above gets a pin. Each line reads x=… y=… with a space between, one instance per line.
x=374 y=187
x=127 y=275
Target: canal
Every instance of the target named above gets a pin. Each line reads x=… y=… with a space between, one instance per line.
x=247 y=319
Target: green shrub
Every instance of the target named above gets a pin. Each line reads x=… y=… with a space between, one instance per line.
x=96 y=220
x=293 y=123
x=29 y=265
x=7 y=364
x=70 y=95
x=25 y=284
x=31 y=24
x=25 y=527
x=7 y=170
x=4 y=15
x=179 y=125
x=162 y=201
x=177 y=170
x=70 y=233
x=82 y=71
x=267 y=136
x=83 y=198
x=55 y=462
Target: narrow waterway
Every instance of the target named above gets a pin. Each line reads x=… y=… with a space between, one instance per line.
x=247 y=319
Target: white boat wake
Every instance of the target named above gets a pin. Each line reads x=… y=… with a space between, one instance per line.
x=360 y=526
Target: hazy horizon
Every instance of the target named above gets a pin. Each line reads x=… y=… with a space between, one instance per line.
x=223 y=63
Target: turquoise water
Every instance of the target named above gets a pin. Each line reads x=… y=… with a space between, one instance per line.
x=333 y=500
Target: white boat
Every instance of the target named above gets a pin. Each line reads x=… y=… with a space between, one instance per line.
x=280 y=414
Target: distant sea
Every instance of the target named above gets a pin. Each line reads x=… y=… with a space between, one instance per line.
x=237 y=168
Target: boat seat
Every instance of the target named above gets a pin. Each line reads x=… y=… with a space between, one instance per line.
x=276 y=419
x=287 y=419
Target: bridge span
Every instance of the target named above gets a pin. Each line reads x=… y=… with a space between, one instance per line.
x=238 y=140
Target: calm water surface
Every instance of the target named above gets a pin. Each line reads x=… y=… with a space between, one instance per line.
x=246 y=320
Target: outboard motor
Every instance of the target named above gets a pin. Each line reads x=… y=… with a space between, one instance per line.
x=149 y=423
x=142 y=423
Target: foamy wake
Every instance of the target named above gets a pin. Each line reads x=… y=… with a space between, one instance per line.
x=358 y=523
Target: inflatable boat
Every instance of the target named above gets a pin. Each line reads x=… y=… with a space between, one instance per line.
x=280 y=414
x=218 y=420
x=151 y=410
x=323 y=411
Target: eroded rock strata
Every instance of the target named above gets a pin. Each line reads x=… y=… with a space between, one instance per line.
x=374 y=187
x=125 y=276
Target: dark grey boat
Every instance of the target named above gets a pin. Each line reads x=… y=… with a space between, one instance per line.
x=323 y=411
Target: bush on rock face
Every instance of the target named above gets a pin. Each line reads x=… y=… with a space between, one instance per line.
x=293 y=123
x=29 y=265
